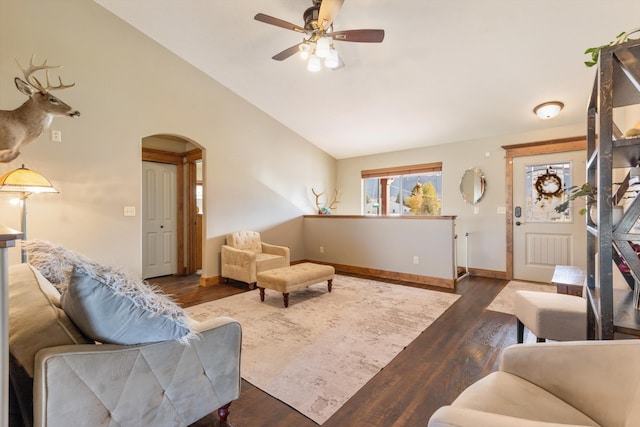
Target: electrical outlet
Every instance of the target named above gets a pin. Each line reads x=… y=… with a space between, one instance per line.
x=321 y=249
x=416 y=260
x=502 y=210
x=476 y=210
x=129 y=211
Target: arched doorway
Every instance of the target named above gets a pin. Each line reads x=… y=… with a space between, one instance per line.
x=172 y=210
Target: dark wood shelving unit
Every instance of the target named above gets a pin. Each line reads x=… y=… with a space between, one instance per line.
x=617 y=85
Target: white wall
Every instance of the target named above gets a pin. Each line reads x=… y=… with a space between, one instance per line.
x=258 y=173
x=487 y=229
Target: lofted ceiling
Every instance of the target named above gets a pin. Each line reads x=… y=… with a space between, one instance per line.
x=447 y=70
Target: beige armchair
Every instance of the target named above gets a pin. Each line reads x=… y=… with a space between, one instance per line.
x=580 y=383
x=245 y=255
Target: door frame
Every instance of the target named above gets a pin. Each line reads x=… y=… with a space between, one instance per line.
x=186 y=215
x=576 y=143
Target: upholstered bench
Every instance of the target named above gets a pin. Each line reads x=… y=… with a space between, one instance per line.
x=298 y=276
x=557 y=317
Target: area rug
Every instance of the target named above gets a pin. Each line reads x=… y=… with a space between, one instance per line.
x=504 y=301
x=318 y=352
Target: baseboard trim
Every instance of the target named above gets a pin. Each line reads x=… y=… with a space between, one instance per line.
x=374 y=272
x=210 y=281
x=492 y=274
x=393 y=275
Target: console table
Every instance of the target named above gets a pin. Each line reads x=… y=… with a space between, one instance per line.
x=569 y=280
x=626 y=319
x=8 y=239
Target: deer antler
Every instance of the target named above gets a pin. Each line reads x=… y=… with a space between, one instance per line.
x=317 y=199
x=335 y=200
x=33 y=81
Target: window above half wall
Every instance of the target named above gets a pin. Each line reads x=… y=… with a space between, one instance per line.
x=403 y=190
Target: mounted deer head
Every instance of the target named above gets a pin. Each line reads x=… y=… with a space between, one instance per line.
x=332 y=205
x=25 y=124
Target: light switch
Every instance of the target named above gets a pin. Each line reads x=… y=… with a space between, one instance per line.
x=56 y=135
x=129 y=211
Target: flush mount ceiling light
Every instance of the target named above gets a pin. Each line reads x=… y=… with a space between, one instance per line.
x=548 y=110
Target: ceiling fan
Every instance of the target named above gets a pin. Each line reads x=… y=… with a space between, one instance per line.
x=318 y=36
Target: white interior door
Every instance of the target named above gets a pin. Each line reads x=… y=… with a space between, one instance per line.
x=159 y=224
x=542 y=238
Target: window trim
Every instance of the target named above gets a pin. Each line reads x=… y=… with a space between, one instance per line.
x=402 y=170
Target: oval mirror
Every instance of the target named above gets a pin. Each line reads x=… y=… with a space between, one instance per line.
x=472 y=185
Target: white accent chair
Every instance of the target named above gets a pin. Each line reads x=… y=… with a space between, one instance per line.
x=579 y=383
x=245 y=255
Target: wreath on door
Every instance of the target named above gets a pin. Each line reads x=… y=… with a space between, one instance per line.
x=548 y=186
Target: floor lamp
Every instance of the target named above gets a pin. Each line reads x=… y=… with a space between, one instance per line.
x=25 y=182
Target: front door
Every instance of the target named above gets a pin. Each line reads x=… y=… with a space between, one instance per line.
x=159 y=224
x=542 y=237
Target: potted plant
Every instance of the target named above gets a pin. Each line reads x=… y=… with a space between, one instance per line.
x=590 y=195
x=586 y=190
x=623 y=37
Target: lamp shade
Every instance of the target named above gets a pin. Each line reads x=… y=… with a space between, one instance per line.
x=305 y=50
x=23 y=180
x=323 y=47
x=332 y=61
x=548 y=110
x=314 y=64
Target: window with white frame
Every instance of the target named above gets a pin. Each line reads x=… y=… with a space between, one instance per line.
x=404 y=190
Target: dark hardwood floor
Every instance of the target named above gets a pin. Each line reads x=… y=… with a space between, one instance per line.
x=460 y=347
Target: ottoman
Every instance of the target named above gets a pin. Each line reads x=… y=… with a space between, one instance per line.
x=298 y=276
x=558 y=317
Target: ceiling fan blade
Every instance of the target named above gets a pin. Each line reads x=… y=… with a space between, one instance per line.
x=278 y=22
x=363 y=36
x=287 y=53
x=328 y=11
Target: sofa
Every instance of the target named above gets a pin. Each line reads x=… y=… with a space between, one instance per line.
x=60 y=377
x=245 y=255
x=579 y=383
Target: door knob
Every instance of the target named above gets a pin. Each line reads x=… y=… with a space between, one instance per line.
x=518 y=223
x=162 y=226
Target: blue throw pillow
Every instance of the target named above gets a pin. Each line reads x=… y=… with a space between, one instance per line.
x=107 y=304
x=108 y=316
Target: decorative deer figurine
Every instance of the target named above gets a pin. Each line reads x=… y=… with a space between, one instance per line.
x=332 y=205
x=24 y=124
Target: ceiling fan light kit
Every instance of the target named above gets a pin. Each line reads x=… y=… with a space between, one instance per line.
x=318 y=30
x=315 y=52
x=548 y=110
